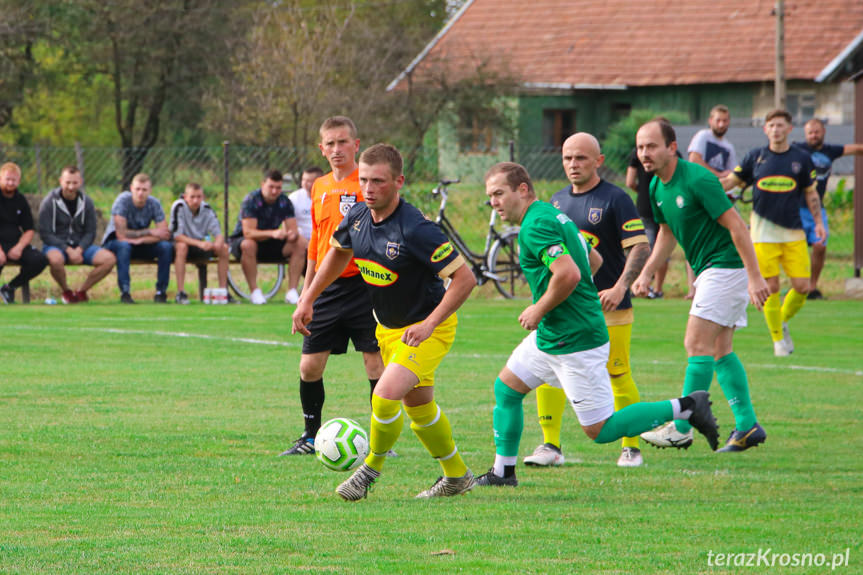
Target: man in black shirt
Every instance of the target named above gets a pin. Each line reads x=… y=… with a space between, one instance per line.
x=16 y=233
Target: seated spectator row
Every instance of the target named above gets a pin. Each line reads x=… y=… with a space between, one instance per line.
x=270 y=226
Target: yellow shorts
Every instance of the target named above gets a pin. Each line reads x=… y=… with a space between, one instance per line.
x=619 y=337
x=793 y=256
x=422 y=360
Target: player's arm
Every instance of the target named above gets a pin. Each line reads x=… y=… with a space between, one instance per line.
x=290 y=227
x=461 y=284
x=594 y=259
x=17 y=250
x=636 y=257
x=334 y=264
x=632 y=178
x=565 y=276
x=251 y=231
x=157 y=233
x=758 y=290
x=731 y=181
x=813 y=202
x=662 y=249
x=697 y=158
x=852 y=150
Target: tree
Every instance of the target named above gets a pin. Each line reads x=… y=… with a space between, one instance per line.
x=19 y=30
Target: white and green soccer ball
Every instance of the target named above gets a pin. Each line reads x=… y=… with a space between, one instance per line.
x=341 y=444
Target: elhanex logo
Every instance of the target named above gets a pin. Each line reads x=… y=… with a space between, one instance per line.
x=777 y=184
x=633 y=225
x=442 y=252
x=375 y=274
x=392 y=250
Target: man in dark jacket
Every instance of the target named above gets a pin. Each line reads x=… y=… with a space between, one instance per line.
x=16 y=233
x=67 y=226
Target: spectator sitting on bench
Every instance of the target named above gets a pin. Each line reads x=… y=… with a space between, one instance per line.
x=129 y=235
x=195 y=227
x=67 y=226
x=16 y=233
x=267 y=231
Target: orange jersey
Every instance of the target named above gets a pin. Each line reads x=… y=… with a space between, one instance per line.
x=331 y=200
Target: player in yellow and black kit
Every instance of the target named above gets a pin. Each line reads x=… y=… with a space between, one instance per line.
x=402 y=257
x=609 y=221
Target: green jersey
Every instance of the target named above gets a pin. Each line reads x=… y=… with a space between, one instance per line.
x=577 y=324
x=690 y=203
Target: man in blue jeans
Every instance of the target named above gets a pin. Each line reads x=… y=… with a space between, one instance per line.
x=129 y=235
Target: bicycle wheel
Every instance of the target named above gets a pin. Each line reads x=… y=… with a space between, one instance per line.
x=503 y=266
x=270 y=278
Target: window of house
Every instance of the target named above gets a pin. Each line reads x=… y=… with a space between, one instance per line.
x=619 y=111
x=476 y=131
x=557 y=126
x=801 y=106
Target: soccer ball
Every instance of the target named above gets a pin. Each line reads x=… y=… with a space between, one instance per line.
x=341 y=444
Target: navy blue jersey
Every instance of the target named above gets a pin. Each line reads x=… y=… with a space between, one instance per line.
x=822 y=159
x=402 y=260
x=609 y=222
x=269 y=216
x=779 y=182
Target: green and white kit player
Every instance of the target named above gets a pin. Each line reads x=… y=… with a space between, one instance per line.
x=691 y=207
x=568 y=342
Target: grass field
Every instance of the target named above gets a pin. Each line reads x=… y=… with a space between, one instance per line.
x=143 y=439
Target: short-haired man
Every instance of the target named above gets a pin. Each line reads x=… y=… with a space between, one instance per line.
x=402 y=257
x=692 y=208
x=267 y=230
x=343 y=312
x=567 y=346
x=16 y=233
x=67 y=226
x=197 y=236
x=710 y=148
x=301 y=198
x=138 y=229
x=782 y=177
x=607 y=218
x=822 y=157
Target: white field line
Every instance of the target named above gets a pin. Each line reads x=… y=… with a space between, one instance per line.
x=277 y=343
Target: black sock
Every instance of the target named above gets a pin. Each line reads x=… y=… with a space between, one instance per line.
x=312 y=400
x=372 y=384
x=686 y=403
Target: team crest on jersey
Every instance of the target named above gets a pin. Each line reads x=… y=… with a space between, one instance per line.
x=679 y=201
x=795 y=167
x=591 y=239
x=556 y=204
x=392 y=250
x=442 y=252
x=375 y=274
x=594 y=215
x=356 y=225
x=346 y=203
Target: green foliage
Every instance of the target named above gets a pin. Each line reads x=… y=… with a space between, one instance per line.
x=841 y=197
x=621 y=136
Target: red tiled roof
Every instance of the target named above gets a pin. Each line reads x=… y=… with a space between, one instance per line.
x=644 y=42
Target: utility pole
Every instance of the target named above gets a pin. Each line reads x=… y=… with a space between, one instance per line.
x=779 y=84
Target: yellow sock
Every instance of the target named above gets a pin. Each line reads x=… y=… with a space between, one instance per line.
x=387 y=423
x=794 y=300
x=550 y=404
x=773 y=316
x=625 y=393
x=433 y=429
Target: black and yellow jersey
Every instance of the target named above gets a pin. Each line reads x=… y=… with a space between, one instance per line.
x=609 y=222
x=779 y=182
x=402 y=260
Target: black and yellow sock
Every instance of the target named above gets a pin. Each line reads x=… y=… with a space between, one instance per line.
x=625 y=393
x=794 y=300
x=386 y=426
x=773 y=316
x=550 y=405
x=432 y=427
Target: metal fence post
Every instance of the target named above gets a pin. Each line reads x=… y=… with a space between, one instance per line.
x=512 y=150
x=225 y=148
x=38 y=169
x=79 y=158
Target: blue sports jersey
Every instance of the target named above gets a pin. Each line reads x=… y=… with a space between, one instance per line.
x=822 y=159
x=778 y=183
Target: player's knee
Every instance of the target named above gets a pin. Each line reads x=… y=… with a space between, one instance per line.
x=593 y=431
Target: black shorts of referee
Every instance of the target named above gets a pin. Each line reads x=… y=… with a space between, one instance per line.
x=341 y=313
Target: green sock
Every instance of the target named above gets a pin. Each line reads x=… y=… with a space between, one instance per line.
x=699 y=374
x=732 y=379
x=634 y=419
x=508 y=419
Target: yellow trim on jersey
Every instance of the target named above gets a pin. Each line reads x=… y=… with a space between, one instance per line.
x=629 y=242
x=619 y=317
x=451 y=267
x=792 y=256
x=423 y=360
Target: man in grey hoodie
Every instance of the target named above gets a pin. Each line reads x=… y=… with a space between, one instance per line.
x=67 y=226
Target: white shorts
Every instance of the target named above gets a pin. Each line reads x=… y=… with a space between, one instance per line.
x=582 y=375
x=721 y=296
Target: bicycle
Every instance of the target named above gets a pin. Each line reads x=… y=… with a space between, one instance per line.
x=498 y=261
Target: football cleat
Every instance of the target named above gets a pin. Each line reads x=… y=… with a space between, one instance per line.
x=743 y=440
x=630 y=457
x=448 y=486
x=545 y=455
x=786 y=338
x=304 y=445
x=668 y=436
x=489 y=478
x=702 y=418
x=780 y=349
x=357 y=486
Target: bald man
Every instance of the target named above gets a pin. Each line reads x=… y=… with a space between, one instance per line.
x=608 y=220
